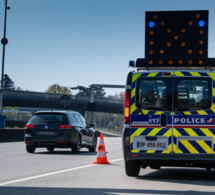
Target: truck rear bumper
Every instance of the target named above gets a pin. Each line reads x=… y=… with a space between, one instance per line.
x=182 y=160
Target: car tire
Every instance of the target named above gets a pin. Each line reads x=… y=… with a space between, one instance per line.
x=50 y=148
x=93 y=148
x=77 y=147
x=30 y=149
x=132 y=168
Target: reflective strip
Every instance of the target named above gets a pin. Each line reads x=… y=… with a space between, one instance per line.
x=202 y=112
x=101 y=142
x=135 y=76
x=159 y=113
x=136 y=133
x=133 y=108
x=128 y=87
x=132 y=93
x=205 y=146
x=153 y=74
x=195 y=74
x=208 y=133
x=101 y=154
x=177 y=73
x=187 y=113
x=188 y=146
x=154 y=131
x=212 y=75
x=126 y=125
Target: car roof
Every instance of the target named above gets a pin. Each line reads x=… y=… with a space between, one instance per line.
x=55 y=111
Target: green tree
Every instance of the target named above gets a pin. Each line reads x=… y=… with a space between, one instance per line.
x=86 y=91
x=8 y=84
x=55 y=88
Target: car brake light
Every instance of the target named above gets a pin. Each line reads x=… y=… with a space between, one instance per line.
x=29 y=126
x=65 y=126
x=127 y=106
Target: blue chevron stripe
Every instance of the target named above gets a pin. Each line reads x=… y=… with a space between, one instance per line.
x=182 y=148
x=186 y=74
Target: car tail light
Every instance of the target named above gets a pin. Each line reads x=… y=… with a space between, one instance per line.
x=29 y=126
x=127 y=106
x=65 y=126
x=62 y=142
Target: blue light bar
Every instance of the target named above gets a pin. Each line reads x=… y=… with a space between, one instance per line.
x=151 y=24
x=201 y=23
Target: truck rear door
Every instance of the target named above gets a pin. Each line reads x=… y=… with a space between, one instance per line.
x=172 y=112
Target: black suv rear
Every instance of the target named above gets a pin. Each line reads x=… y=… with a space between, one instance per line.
x=59 y=129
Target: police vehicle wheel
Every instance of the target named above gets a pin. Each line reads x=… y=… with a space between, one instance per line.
x=132 y=168
x=50 y=149
x=30 y=149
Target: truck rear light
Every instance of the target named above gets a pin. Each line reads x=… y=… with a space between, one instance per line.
x=29 y=126
x=127 y=107
x=65 y=126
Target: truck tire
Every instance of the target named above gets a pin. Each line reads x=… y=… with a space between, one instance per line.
x=132 y=168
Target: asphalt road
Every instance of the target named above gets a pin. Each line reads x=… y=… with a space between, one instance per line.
x=61 y=172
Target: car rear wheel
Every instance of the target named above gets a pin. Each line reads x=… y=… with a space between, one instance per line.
x=77 y=147
x=132 y=168
x=30 y=149
x=50 y=149
x=93 y=148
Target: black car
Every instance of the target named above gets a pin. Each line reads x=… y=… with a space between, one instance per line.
x=59 y=129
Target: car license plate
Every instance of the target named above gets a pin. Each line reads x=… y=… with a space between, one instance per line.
x=46 y=133
x=140 y=143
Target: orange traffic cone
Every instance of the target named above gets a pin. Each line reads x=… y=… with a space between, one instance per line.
x=101 y=154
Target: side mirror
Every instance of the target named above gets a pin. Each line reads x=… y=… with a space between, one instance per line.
x=92 y=125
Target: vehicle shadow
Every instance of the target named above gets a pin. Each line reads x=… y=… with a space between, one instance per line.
x=94 y=191
x=87 y=153
x=192 y=176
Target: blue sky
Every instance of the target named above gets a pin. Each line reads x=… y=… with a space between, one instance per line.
x=81 y=42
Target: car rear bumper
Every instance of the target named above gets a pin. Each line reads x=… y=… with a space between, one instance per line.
x=57 y=142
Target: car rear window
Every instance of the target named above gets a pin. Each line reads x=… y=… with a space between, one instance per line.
x=49 y=118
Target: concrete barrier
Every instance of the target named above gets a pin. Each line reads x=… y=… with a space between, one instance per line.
x=16 y=135
x=11 y=135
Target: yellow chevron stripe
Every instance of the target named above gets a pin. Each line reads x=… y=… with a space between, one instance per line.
x=168 y=133
x=195 y=74
x=189 y=146
x=154 y=131
x=133 y=108
x=213 y=108
x=135 y=76
x=136 y=133
x=202 y=112
x=212 y=75
x=169 y=150
x=152 y=74
x=208 y=133
x=150 y=151
x=135 y=151
x=176 y=150
x=213 y=92
x=133 y=93
x=187 y=113
x=204 y=146
x=158 y=113
x=190 y=132
x=178 y=73
x=176 y=133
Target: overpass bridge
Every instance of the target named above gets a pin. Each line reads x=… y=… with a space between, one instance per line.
x=59 y=101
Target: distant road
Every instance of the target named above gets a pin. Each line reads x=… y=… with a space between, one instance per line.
x=62 y=172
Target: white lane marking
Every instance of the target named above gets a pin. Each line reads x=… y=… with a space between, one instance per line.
x=52 y=173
